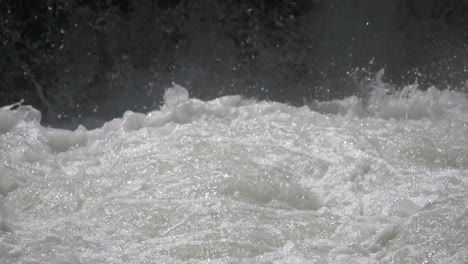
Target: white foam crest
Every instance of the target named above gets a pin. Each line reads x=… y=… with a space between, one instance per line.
x=410 y=103
x=178 y=108
x=448 y=106
x=10 y=118
x=60 y=140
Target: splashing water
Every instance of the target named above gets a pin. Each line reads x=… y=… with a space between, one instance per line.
x=381 y=180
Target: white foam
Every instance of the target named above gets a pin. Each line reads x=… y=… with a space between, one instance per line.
x=232 y=180
x=404 y=208
x=9 y=119
x=408 y=103
x=61 y=140
x=8 y=183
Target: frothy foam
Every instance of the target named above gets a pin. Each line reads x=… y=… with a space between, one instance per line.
x=409 y=103
x=380 y=179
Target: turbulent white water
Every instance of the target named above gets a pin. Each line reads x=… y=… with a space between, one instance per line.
x=383 y=180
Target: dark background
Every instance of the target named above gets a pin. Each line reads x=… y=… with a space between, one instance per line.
x=85 y=61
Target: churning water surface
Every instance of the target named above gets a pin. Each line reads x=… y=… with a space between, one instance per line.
x=381 y=180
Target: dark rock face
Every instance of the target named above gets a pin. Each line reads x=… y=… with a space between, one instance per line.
x=82 y=61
